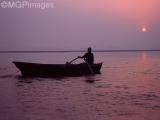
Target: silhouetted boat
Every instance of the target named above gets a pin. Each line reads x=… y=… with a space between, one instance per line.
x=57 y=70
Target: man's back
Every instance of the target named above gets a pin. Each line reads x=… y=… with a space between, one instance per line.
x=89 y=58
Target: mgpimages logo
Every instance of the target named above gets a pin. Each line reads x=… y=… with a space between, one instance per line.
x=26 y=4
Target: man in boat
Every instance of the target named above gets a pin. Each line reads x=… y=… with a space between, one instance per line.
x=88 y=57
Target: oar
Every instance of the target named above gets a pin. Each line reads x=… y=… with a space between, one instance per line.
x=89 y=66
x=73 y=60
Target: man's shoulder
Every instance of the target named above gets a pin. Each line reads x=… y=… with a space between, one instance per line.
x=88 y=54
x=91 y=53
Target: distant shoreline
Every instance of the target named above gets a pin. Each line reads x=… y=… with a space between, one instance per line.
x=63 y=51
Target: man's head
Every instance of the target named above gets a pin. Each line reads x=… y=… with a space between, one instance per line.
x=89 y=50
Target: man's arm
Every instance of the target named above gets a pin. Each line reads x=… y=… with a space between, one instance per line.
x=82 y=56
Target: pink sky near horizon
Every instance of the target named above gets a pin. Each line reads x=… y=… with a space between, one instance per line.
x=143 y=12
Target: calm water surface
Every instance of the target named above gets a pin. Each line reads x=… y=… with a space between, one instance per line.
x=128 y=88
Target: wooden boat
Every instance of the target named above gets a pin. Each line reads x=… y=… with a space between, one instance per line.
x=57 y=70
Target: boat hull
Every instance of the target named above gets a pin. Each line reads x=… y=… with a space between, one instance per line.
x=56 y=70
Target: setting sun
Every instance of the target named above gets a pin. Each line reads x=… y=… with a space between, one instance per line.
x=144 y=29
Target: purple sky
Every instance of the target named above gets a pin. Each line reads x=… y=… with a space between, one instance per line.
x=78 y=24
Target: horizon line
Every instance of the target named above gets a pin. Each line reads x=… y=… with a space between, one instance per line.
x=42 y=51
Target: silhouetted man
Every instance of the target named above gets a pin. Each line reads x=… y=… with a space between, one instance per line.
x=88 y=57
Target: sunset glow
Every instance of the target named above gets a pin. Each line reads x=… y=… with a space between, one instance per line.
x=138 y=11
x=144 y=29
x=102 y=24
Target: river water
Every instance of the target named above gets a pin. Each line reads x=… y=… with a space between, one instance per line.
x=128 y=88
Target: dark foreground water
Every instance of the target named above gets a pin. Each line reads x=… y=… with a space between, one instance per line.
x=127 y=89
